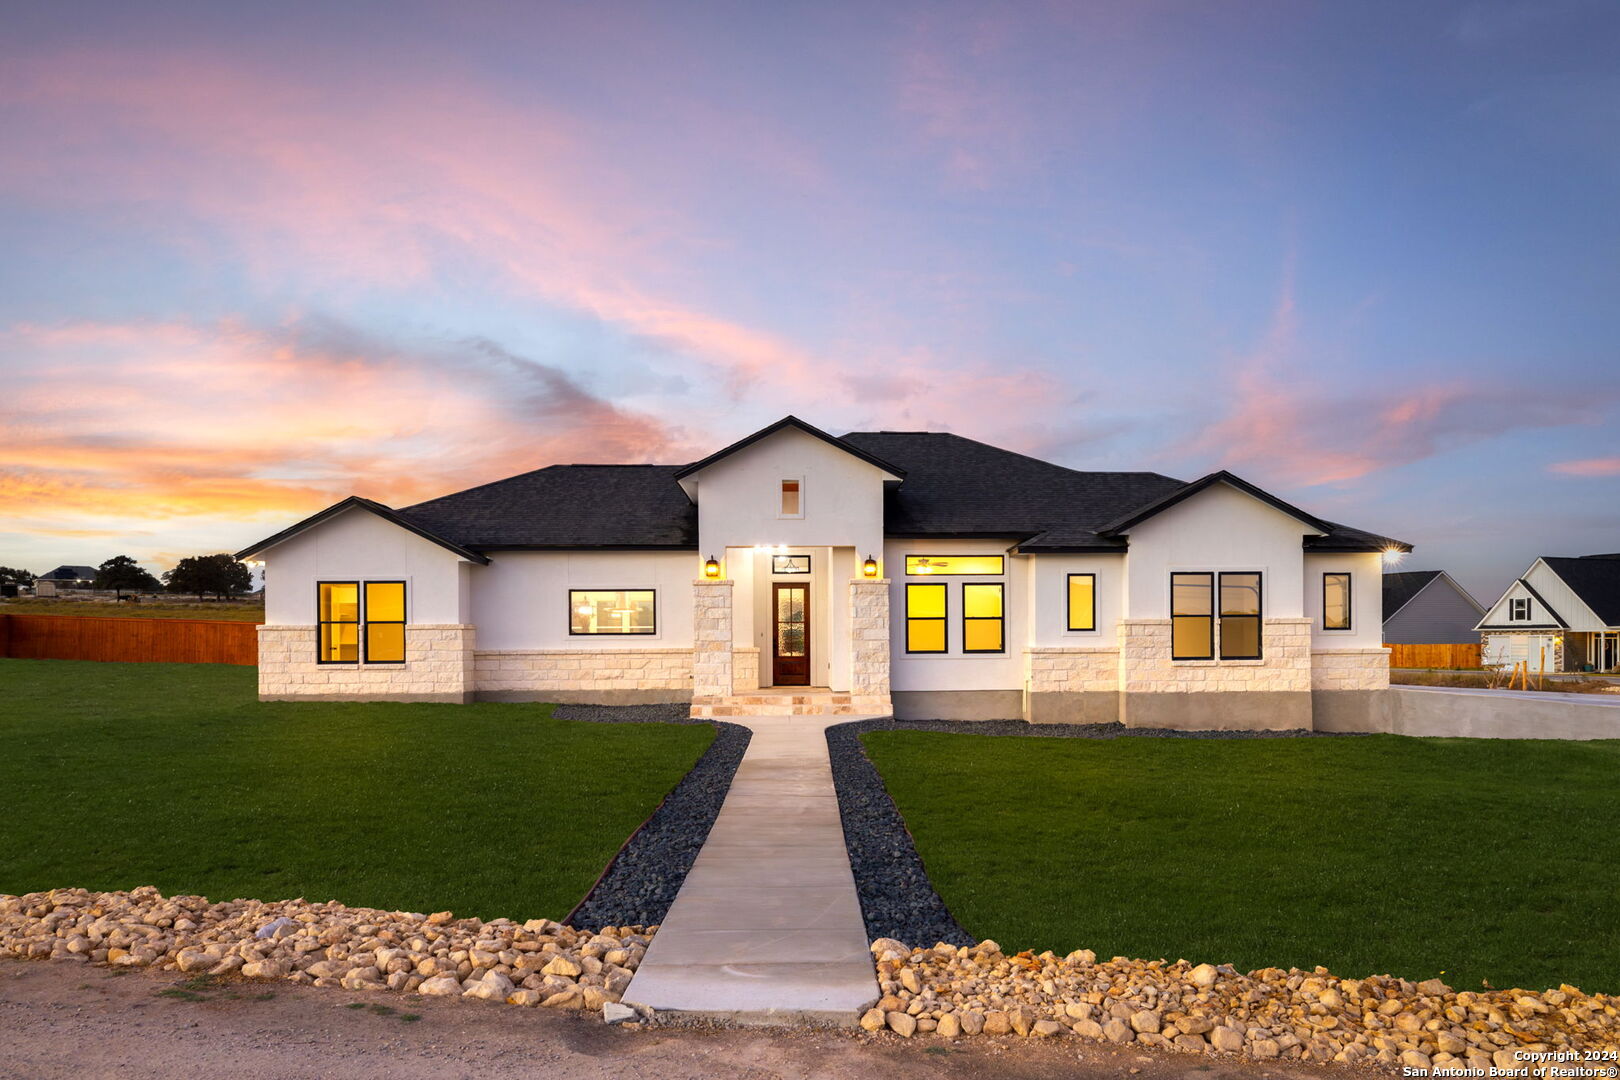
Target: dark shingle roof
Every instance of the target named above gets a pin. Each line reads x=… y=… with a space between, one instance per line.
x=387 y=513
x=1400 y=588
x=568 y=506
x=1596 y=580
x=70 y=573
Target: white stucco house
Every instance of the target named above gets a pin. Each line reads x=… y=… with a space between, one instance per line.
x=919 y=573
x=1562 y=614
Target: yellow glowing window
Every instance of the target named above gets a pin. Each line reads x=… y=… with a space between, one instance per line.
x=385 y=622
x=612 y=611
x=959 y=565
x=925 y=618
x=338 y=619
x=982 y=623
x=1192 y=616
x=1240 y=616
x=1335 y=601
x=1082 y=602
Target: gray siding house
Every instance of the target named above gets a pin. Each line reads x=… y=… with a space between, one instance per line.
x=1428 y=607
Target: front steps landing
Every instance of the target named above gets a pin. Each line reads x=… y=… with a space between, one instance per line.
x=791 y=701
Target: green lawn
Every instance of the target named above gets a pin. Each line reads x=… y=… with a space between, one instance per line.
x=118 y=775
x=1482 y=859
x=230 y=611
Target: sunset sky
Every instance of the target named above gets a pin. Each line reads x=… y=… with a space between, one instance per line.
x=255 y=258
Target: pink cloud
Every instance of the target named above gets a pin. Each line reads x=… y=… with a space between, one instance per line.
x=1607 y=466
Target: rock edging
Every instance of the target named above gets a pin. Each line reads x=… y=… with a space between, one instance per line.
x=951 y=990
x=538 y=962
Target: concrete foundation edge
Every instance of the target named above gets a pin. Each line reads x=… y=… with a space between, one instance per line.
x=448 y=698
x=957 y=704
x=1072 y=707
x=1253 y=710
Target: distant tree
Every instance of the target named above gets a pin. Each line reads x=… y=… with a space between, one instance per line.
x=122 y=572
x=9 y=576
x=219 y=574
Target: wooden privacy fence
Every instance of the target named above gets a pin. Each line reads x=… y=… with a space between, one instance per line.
x=1460 y=655
x=91 y=637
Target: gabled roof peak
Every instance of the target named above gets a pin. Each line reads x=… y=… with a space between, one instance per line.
x=793 y=422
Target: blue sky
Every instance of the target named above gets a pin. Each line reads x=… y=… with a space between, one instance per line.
x=1361 y=254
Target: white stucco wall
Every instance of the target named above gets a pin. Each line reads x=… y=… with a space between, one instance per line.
x=520 y=600
x=1048 y=599
x=357 y=545
x=1218 y=529
x=955 y=670
x=1366 y=572
x=828 y=582
x=739 y=497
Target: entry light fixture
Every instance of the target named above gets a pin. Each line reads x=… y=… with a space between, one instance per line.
x=869 y=567
x=711 y=569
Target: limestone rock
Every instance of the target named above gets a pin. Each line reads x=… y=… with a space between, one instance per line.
x=873 y=1020
x=440 y=986
x=902 y=1024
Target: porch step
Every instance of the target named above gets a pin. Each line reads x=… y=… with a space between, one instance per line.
x=807 y=703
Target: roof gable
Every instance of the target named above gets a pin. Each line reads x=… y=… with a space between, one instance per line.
x=1402 y=588
x=355 y=502
x=1186 y=491
x=1542 y=614
x=1595 y=579
x=793 y=422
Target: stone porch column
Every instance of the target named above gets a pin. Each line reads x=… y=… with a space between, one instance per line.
x=711 y=640
x=869 y=643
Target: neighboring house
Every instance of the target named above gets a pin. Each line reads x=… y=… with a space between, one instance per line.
x=915 y=572
x=64 y=577
x=1562 y=614
x=1428 y=607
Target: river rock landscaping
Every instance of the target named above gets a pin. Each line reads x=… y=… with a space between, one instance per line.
x=950 y=990
x=538 y=962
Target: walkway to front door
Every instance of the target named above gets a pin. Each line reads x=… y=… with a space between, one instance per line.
x=790 y=649
x=767 y=927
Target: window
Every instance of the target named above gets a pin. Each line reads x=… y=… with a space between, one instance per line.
x=790 y=564
x=1082 y=601
x=1520 y=608
x=925 y=618
x=792 y=498
x=1240 y=616
x=982 y=629
x=1335 y=601
x=612 y=611
x=1192 y=616
x=385 y=622
x=338 y=619
x=919 y=565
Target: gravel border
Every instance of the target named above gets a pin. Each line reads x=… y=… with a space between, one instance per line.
x=897 y=899
x=642 y=879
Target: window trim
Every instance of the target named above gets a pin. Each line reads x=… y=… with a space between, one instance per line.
x=782 y=494
x=1214 y=606
x=1002 y=559
x=358 y=623
x=1349 y=602
x=944 y=618
x=999 y=620
x=366 y=620
x=1513 y=609
x=1259 y=616
x=809 y=566
x=612 y=633
x=1068 y=601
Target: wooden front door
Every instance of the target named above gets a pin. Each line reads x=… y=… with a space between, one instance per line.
x=790 y=652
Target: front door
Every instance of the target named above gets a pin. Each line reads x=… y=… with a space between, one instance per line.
x=790 y=655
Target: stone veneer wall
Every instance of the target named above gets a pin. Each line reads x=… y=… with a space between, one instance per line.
x=438 y=667
x=1265 y=694
x=1350 y=669
x=1076 y=684
x=712 y=677
x=606 y=676
x=869 y=644
x=744 y=669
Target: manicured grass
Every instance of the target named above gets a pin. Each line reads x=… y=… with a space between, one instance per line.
x=234 y=611
x=1482 y=859
x=118 y=775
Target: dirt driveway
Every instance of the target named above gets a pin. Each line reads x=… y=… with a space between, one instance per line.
x=60 y=1020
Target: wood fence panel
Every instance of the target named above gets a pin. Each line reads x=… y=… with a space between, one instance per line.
x=167 y=641
x=1451 y=656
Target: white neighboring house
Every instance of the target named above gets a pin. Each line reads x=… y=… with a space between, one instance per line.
x=918 y=573
x=1562 y=614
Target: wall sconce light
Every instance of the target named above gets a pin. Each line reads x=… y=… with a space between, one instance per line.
x=869 y=567
x=711 y=569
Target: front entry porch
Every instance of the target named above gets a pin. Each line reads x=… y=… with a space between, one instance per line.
x=788 y=701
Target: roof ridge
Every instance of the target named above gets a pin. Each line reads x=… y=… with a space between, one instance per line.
x=1026 y=457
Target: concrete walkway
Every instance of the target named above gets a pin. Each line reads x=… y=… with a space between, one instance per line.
x=767 y=927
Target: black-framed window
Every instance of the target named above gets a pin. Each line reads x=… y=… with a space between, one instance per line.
x=612 y=611
x=384 y=622
x=1192 y=616
x=927 y=612
x=1519 y=609
x=1240 y=615
x=1082 y=601
x=984 y=627
x=337 y=622
x=1336 y=601
x=790 y=564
